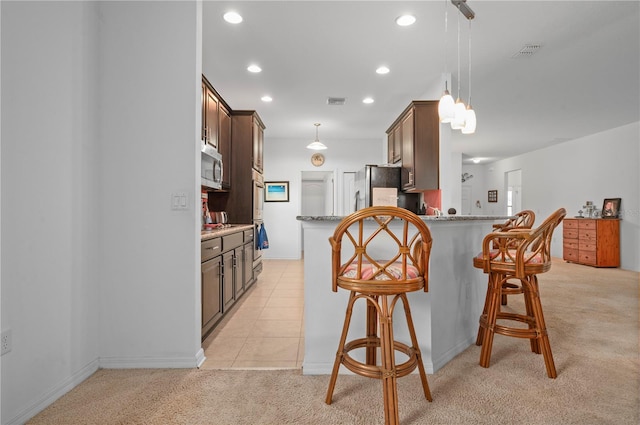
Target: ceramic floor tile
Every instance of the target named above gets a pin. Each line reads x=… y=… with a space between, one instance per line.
x=276 y=328
x=281 y=313
x=225 y=348
x=270 y=349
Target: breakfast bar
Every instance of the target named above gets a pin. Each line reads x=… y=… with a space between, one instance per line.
x=445 y=318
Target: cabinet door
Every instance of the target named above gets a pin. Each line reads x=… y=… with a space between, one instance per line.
x=238 y=269
x=258 y=141
x=248 y=264
x=211 y=280
x=211 y=118
x=408 y=168
x=224 y=145
x=228 y=294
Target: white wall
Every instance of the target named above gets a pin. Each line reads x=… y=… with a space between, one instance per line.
x=599 y=166
x=49 y=208
x=98 y=129
x=284 y=160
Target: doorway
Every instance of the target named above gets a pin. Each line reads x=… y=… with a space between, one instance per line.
x=317 y=196
x=514 y=191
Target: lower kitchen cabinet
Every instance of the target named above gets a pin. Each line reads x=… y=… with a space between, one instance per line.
x=226 y=272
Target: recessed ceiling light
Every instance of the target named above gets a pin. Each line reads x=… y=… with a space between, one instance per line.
x=476 y=160
x=266 y=98
x=367 y=100
x=232 y=17
x=254 y=68
x=405 y=20
x=382 y=70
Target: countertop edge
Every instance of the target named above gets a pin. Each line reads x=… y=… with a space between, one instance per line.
x=423 y=217
x=216 y=233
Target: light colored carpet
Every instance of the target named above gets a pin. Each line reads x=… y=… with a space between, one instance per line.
x=592 y=315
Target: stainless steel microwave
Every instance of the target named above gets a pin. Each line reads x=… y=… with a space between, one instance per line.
x=211 y=169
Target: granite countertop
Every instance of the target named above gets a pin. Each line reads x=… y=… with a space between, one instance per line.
x=216 y=233
x=423 y=217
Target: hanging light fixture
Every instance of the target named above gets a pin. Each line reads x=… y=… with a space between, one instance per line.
x=459 y=111
x=316 y=145
x=446 y=104
x=470 y=119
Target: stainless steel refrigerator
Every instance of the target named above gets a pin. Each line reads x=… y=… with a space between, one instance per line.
x=382 y=176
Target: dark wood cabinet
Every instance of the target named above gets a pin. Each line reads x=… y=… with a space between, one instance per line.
x=258 y=143
x=591 y=241
x=246 y=137
x=210 y=119
x=211 y=283
x=394 y=144
x=420 y=145
x=224 y=144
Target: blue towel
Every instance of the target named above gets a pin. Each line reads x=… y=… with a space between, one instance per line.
x=263 y=240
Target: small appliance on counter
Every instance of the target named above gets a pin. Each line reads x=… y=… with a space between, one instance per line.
x=219 y=217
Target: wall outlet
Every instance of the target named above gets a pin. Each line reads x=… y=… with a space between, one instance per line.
x=5 y=342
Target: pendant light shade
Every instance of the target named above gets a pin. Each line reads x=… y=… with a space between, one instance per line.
x=470 y=121
x=316 y=145
x=459 y=115
x=446 y=107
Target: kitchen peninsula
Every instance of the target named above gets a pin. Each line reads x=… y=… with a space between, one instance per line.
x=445 y=318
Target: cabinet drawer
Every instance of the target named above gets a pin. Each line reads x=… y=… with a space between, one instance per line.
x=570 y=233
x=587 y=224
x=210 y=248
x=570 y=254
x=248 y=235
x=570 y=244
x=587 y=246
x=232 y=241
x=570 y=224
x=587 y=234
x=587 y=257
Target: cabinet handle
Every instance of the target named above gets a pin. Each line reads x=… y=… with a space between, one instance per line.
x=211 y=247
x=410 y=177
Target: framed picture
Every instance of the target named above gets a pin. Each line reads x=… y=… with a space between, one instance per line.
x=276 y=191
x=611 y=207
x=493 y=196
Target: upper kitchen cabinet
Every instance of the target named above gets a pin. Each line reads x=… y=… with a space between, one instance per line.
x=210 y=119
x=394 y=144
x=419 y=128
x=251 y=135
x=224 y=145
x=258 y=142
x=216 y=127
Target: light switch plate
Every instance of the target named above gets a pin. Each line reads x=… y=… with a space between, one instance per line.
x=180 y=201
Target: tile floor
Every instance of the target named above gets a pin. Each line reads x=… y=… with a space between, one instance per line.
x=264 y=328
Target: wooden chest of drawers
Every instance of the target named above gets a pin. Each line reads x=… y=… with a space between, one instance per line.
x=592 y=241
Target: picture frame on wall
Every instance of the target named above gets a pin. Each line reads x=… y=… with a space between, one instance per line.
x=493 y=196
x=611 y=207
x=276 y=191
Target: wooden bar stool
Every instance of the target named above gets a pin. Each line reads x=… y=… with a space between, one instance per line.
x=381 y=283
x=518 y=254
x=521 y=220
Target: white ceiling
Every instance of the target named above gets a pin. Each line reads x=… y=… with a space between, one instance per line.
x=584 y=79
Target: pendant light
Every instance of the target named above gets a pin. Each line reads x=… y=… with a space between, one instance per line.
x=460 y=111
x=316 y=145
x=446 y=104
x=470 y=119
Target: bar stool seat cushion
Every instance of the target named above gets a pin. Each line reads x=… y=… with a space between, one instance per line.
x=373 y=272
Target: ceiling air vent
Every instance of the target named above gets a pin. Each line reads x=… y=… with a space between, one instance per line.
x=336 y=101
x=527 y=51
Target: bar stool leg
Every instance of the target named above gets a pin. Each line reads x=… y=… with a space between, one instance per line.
x=480 y=336
x=541 y=327
x=388 y=366
x=340 y=352
x=416 y=348
x=492 y=313
x=372 y=330
x=529 y=294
